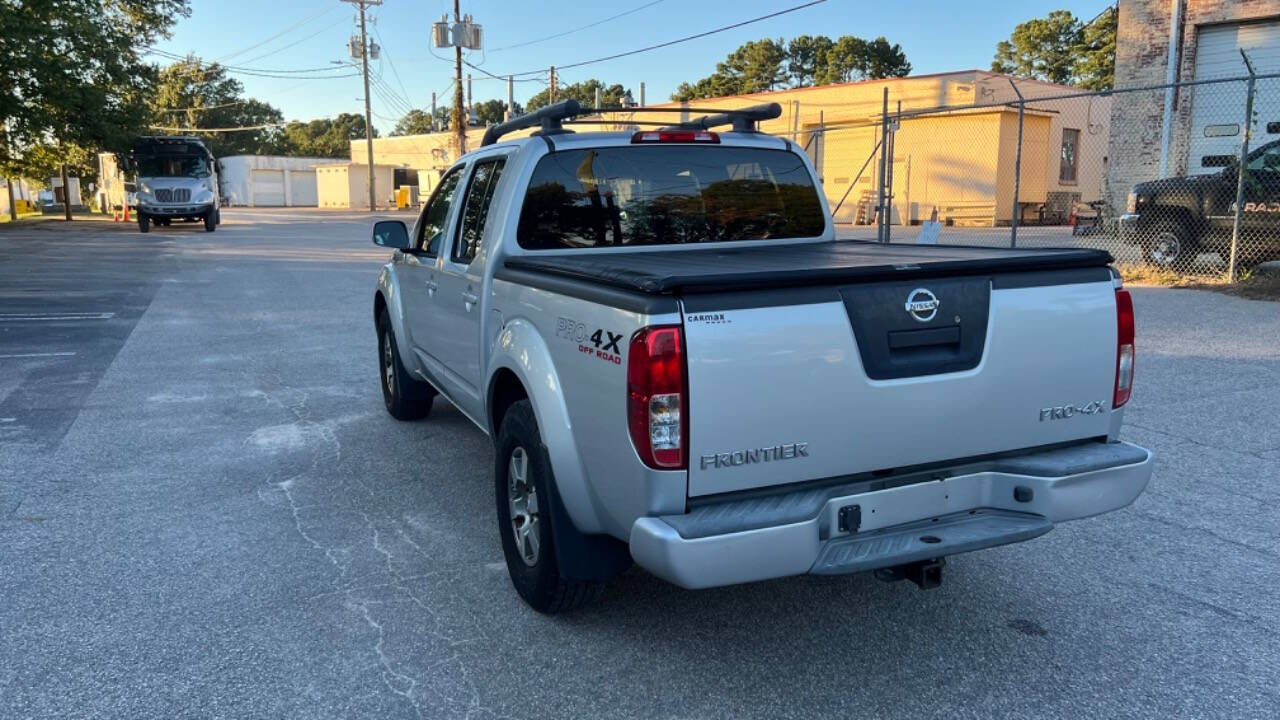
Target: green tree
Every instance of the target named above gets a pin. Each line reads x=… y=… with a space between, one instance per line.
x=1042 y=49
x=807 y=59
x=1096 y=64
x=1061 y=49
x=72 y=76
x=190 y=94
x=495 y=111
x=762 y=65
x=326 y=137
x=414 y=122
x=584 y=92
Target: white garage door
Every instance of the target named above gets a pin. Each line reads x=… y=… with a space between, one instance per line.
x=268 y=187
x=1217 y=111
x=302 y=184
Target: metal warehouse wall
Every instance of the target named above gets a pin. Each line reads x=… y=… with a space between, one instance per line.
x=270 y=180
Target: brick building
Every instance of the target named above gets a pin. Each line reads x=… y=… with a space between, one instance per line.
x=1205 y=121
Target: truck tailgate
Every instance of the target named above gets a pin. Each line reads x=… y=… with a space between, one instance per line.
x=798 y=384
x=820 y=360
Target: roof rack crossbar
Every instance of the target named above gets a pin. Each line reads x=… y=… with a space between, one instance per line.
x=549 y=118
x=743 y=120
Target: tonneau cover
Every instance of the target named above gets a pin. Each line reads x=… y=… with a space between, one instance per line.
x=687 y=270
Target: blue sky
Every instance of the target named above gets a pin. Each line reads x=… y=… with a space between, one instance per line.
x=937 y=35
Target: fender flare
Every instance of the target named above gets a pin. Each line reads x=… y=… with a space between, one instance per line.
x=388 y=291
x=521 y=349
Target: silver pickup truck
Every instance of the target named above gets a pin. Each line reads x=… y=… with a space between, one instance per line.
x=680 y=366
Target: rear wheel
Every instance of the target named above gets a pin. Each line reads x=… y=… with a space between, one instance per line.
x=522 y=478
x=1170 y=247
x=405 y=397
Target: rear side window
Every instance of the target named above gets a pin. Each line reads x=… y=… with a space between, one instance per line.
x=476 y=209
x=668 y=195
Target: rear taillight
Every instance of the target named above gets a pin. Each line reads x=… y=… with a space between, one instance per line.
x=675 y=136
x=1124 y=348
x=656 y=396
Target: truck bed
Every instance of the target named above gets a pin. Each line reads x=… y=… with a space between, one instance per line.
x=686 y=270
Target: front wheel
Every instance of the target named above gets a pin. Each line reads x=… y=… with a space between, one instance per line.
x=144 y=225
x=405 y=397
x=522 y=478
x=210 y=222
x=1170 y=247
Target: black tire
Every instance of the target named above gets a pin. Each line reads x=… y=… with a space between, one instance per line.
x=1170 y=246
x=144 y=225
x=210 y=223
x=534 y=569
x=405 y=397
x=217 y=217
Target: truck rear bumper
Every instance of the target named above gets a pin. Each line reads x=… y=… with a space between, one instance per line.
x=805 y=531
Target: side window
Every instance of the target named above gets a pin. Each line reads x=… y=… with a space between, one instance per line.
x=431 y=229
x=476 y=209
x=1268 y=160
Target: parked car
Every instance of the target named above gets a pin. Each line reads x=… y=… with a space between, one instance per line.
x=1175 y=219
x=680 y=366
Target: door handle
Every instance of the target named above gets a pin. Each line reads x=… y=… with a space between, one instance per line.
x=432 y=286
x=469 y=298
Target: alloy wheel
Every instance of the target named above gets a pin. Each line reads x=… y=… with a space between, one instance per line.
x=522 y=501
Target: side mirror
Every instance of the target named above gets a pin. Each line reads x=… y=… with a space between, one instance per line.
x=391 y=234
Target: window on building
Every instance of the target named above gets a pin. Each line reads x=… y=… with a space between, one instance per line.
x=1217 y=160
x=1227 y=130
x=1070 y=155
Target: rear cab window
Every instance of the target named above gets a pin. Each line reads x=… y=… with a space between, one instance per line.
x=668 y=195
x=475 y=209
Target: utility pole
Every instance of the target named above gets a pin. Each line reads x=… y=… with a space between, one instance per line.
x=641 y=94
x=511 y=97
x=433 y=112
x=368 y=111
x=552 y=93
x=459 y=116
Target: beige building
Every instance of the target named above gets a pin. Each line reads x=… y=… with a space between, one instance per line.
x=958 y=161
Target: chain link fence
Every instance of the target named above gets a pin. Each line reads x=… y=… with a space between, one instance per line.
x=1153 y=175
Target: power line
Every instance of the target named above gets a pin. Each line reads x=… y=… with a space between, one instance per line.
x=200 y=64
x=296 y=42
x=391 y=62
x=499 y=77
x=669 y=43
x=578 y=29
x=265 y=126
x=289 y=29
x=204 y=107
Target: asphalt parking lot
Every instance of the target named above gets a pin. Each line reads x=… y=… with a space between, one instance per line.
x=205 y=512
